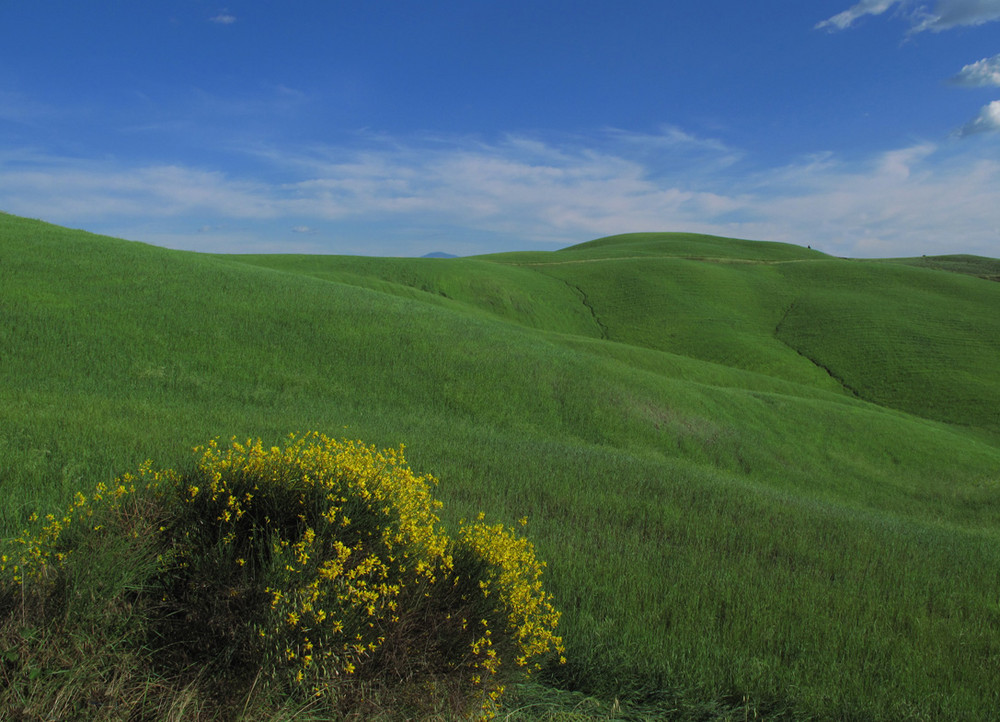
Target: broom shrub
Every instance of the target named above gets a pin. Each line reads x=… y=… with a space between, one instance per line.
x=318 y=571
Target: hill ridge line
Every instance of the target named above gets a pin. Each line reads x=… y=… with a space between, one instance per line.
x=707 y=259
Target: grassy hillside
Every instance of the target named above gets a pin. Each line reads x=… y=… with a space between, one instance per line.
x=986 y=268
x=764 y=479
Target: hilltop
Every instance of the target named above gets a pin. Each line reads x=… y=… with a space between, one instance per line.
x=764 y=478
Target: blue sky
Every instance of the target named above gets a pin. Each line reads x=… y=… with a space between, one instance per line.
x=398 y=128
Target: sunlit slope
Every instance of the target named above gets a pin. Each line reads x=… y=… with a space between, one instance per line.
x=96 y=325
x=927 y=342
x=919 y=340
x=463 y=284
x=901 y=336
x=726 y=313
x=713 y=533
x=978 y=266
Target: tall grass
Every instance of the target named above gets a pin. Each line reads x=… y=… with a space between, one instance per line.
x=764 y=480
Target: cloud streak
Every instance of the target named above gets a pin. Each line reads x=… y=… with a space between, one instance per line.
x=950 y=14
x=845 y=19
x=517 y=186
x=398 y=194
x=87 y=191
x=947 y=14
x=926 y=198
x=223 y=18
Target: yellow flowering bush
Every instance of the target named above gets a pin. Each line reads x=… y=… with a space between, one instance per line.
x=320 y=564
x=512 y=578
x=35 y=558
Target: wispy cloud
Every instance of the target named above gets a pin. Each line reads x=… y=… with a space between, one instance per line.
x=845 y=19
x=927 y=198
x=947 y=14
x=394 y=195
x=982 y=73
x=224 y=18
x=85 y=191
x=520 y=186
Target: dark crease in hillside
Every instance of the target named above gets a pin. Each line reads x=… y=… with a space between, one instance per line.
x=814 y=362
x=593 y=313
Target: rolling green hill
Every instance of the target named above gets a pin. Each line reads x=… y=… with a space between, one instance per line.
x=765 y=479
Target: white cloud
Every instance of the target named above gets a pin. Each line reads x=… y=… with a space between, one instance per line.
x=519 y=186
x=982 y=73
x=988 y=120
x=63 y=189
x=400 y=195
x=224 y=18
x=949 y=14
x=843 y=20
x=946 y=14
x=922 y=199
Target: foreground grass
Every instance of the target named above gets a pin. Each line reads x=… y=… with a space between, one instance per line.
x=762 y=487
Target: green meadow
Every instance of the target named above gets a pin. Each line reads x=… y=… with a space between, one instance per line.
x=766 y=481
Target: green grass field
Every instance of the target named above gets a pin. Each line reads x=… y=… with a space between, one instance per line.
x=766 y=481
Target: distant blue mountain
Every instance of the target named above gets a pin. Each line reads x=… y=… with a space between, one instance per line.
x=439 y=254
